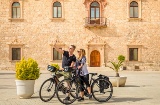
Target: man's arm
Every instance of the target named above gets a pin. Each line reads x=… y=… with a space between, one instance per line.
x=58 y=49
x=72 y=64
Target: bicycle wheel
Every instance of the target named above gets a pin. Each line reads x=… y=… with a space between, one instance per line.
x=66 y=91
x=102 y=90
x=47 y=90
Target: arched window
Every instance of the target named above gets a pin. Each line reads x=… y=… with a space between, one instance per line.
x=16 y=11
x=94 y=10
x=57 y=10
x=133 y=9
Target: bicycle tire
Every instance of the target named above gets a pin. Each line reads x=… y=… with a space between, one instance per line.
x=62 y=90
x=94 y=91
x=49 y=88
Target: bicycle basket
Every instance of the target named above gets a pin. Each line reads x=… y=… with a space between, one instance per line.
x=68 y=69
x=51 y=68
x=103 y=83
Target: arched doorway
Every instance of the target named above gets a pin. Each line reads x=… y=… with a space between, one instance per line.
x=95 y=59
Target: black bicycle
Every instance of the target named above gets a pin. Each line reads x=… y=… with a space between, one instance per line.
x=101 y=88
x=48 y=87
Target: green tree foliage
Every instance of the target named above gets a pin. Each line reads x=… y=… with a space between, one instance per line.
x=116 y=65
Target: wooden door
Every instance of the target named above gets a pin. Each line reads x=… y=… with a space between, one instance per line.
x=95 y=59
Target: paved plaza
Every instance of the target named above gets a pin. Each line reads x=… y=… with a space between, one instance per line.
x=142 y=88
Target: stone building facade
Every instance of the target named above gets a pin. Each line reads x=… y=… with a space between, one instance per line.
x=104 y=28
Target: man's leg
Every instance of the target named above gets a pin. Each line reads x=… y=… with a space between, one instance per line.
x=67 y=75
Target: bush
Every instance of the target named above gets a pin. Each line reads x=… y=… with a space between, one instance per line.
x=27 y=69
x=56 y=66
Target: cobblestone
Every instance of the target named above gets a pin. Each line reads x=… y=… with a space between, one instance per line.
x=142 y=88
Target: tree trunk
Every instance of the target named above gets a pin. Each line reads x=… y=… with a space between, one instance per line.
x=117 y=74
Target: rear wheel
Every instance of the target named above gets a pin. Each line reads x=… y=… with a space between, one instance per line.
x=102 y=90
x=67 y=88
x=47 y=90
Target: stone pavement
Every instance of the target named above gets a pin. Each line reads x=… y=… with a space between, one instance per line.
x=142 y=88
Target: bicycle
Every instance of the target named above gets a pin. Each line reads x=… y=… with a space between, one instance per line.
x=98 y=85
x=48 y=88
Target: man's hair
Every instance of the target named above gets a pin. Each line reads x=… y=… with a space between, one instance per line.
x=74 y=47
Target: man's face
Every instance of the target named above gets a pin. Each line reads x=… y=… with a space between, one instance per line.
x=71 y=49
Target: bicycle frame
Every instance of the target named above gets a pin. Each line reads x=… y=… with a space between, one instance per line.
x=74 y=78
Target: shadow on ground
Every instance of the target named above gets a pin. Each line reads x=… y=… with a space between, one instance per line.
x=126 y=99
x=116 y=100
x=7 y=87
x=131 y=86
x=93 y=101
x=7 y=73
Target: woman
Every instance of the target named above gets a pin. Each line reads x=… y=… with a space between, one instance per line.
x=83 y=72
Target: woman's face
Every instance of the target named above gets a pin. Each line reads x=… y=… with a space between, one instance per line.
x=79 y=52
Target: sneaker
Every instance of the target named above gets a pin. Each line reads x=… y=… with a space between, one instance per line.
x=81 y=99
x=67 y=99
x=90 y=96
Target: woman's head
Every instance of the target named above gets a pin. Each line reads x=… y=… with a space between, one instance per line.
x=83 y=52
x=79 y=52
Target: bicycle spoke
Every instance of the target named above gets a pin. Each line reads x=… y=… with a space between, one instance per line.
x=66 y=88
x=102 y=90
x=47 y=90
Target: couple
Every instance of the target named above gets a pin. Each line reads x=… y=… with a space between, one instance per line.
x=69 y=59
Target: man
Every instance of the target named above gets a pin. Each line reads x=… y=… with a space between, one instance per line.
x=69 y=59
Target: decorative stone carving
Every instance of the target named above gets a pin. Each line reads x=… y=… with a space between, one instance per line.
x=96 y=40
x=60 y=43
x=96 y=43
x=16 y=42
x=103 y=3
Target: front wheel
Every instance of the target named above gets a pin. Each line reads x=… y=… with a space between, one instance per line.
x=102 y=90
x=47 y=90
x=67 y=91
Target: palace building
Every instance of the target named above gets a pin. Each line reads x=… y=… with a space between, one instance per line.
x=104 y=28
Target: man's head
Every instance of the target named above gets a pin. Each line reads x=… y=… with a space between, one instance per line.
x=72 y=48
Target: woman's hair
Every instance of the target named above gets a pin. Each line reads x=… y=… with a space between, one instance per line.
x=83 y=53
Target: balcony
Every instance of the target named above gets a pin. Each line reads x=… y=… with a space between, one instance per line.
x=95 y=22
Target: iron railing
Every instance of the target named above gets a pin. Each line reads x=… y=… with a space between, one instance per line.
x=96 y=21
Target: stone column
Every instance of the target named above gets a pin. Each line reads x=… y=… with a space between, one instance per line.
x=86 y=48
x=103 y=63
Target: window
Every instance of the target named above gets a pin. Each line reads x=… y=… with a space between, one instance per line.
x=57 y=55
x=133 y=9
x=95 y=13
x=57 y=10
x=95 y=10
x=16 y=11
x=16 y=53
x=133 y=54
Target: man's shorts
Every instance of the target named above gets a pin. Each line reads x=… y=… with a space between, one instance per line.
x=65 y=74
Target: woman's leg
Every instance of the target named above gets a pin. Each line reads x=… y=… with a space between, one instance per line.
x=86 y=80
x=82 y=84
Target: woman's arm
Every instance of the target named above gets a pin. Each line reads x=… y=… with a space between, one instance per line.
x=83 y=61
